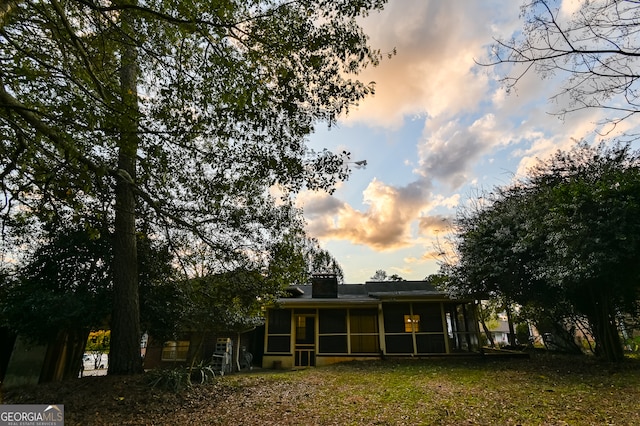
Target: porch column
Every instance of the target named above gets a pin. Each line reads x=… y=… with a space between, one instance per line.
x=381 y=333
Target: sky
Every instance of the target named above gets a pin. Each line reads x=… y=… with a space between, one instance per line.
x=439 y=130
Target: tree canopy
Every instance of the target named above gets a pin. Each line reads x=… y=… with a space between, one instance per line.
x=184 y=113
x=565 y=241
x=64 y=286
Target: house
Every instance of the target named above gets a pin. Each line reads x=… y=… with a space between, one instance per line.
x=225 y=352
x=324 y=323
x=500 y=332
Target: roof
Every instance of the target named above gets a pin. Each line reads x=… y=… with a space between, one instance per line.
x=370 y=292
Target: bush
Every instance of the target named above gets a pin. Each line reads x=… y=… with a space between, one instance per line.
x=179 y=379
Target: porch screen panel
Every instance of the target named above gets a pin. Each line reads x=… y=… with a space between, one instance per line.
x=364 y=344
x=279 y=331
x=430 y=344
x=332 y=321
x=399 y=344
x=364 y=331
x=364 y=321
x=280 y=344
x=280 y=321
x=462 y=318
x=336 y=344
x=332 y=328
x=394 y=317
x=430 y=317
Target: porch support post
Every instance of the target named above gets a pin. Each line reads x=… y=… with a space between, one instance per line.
x=445 y=329
x=381 y=333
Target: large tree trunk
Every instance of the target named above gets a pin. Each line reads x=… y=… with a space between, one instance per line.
x=125 y=323
x=512 y=333
x=605 y=329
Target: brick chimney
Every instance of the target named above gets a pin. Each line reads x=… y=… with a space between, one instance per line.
x=324 y=286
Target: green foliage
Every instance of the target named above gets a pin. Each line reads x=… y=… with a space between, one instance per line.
x=295 y=258
x=174 y=380
x=563 y=243
x=179 y=379
x=64 y=286
x=184 y=113
x=98 y=341
x=522 y=333
x=230 y=300
x=225 y=302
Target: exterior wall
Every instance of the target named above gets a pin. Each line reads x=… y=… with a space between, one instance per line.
x=201 y=346
x=312 y=336
x=278 y=362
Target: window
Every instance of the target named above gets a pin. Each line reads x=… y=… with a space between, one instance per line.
x=301 y=328
x=412 y=323
x=175 y=350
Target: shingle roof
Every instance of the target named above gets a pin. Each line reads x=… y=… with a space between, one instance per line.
x=375 y=290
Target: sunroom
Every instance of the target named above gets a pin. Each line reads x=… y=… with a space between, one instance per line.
x=324 y=323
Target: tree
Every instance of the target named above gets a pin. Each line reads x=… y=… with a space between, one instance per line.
x=185 y=111
x=564 y=243
x=65 y=283
x=381 y=275
x=319 y=260
x=98 y=344
x=64 y=287
x=598 y=46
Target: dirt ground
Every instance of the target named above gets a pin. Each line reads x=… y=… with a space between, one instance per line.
x=111 y=400
x=130 y=400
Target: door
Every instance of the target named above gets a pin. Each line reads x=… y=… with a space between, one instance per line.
x=305 y=350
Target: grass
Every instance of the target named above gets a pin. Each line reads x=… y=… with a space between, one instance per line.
x=543 y=390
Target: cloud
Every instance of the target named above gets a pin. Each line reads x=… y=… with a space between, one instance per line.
x=449 y=150
x=433 y=71
x=385 y=225
x=432 y=225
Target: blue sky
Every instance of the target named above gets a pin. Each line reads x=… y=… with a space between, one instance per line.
x=438 y=130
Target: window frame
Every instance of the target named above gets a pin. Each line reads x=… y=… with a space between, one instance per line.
x=175 y=350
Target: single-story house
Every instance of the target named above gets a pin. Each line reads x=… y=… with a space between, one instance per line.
x=324 y=323
x=500 y=332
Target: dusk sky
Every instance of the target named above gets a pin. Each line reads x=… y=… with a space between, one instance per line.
x=438 y=130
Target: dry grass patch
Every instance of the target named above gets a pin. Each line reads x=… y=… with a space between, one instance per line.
x=543 y=390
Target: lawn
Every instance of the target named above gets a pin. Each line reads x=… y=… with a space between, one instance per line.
x=542 y=390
